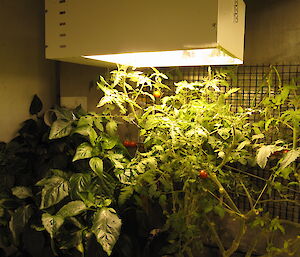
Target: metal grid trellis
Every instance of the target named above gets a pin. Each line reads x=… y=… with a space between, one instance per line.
x=251 y=81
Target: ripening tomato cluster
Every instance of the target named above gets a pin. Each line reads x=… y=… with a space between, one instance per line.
x=128 y=143
x=157 y=94
x=203 y=174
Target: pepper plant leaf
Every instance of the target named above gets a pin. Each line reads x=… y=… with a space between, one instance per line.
x=79 y=182
x=60 y=128
x=52 y=223
x=18 y=221
x=83 y=151
x=106 y=227
x=36 y=105
x=71 y=209
x=111 y=127
x=96 y=165
x=54 y=192
x=21 y=192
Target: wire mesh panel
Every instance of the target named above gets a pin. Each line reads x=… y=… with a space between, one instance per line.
x=252 y=81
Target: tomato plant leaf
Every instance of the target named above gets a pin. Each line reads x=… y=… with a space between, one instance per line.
x=219 y=210
x=289 y=157
x=71 y=209
x=96 y=165
x=60 y=128
x=106 y=227
x=264 y=153
x=126 y=193
x=85 y=121
x=83 y=151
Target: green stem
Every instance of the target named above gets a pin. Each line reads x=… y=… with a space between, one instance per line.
x=217 y=182
x=130 y=104
x=216 y=236
x=247 y=193
x=236 y=242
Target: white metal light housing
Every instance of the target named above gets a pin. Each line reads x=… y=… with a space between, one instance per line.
x=145 y=33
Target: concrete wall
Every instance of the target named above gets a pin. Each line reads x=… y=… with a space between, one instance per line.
x=272 y=32
x=23 y=68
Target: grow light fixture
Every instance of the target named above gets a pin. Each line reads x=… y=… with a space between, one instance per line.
x=146 y=33
x=192 y=57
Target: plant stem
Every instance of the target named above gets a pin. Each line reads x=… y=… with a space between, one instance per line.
x=217 y=182
x=247 y=193
x=236 y=242
x=216 y=236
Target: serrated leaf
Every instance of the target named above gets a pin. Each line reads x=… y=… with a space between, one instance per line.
x=52 y=223
x=98 y=124
x=54 y=192
x=60 y=128
x=111 y=127
x=96 y=165
x=231 y=91
x=219 y=210
x=18 y=221
x=289 y=157
x=21 y=192
x=71 y=209
x=125 y=194
x=243 y=144
x=258 y=136
x=264 y=153
x=106 y=227
x=117 y=159
x=83 y=151
x=85 y=121
x=36 y=105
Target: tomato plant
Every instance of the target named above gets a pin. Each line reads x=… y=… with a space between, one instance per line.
x=195 y=129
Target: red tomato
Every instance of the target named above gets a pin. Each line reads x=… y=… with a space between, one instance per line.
x=126 y=143
x=132 y=143
x=157 y=93
x=203 y=174
x=285 y=151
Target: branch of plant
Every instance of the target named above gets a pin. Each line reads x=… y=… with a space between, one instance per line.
x=247 y=194
x=236 y=242
x=215 y=235
x=227 y=208
x=221 y=188
x=258 y=177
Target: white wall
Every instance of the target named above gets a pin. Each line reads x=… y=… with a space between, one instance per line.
x=23 y=69
x=272 y=32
